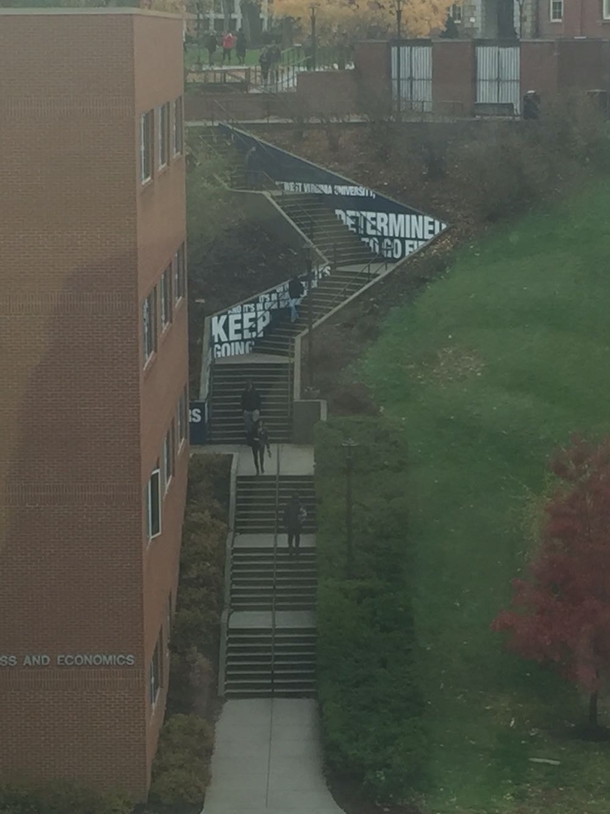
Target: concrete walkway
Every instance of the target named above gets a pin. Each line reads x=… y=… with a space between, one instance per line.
x=267 y=755
x=267 y=759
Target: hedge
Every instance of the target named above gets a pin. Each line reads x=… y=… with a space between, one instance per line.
x=59 y=797
x=181 y=765
x=370 y=693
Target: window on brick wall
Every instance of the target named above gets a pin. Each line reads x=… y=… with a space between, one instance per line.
x=180 y=273
x=146 y=146
x=169 y=452
x=178 y=126
x=182 y=415
x=556 y=11
x=155 y=671
x=163 y=134
x=153 y=504
x=149 y=325
x=456 y=12
x=166 y=298
x=606 y=9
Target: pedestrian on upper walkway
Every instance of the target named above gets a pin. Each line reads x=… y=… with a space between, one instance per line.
x=259 y=443
x=264 y=61
x=295 y=292
x=228 y=43
x=251 y=406
x=240 y=46
x=211 y=46
x=295 y=515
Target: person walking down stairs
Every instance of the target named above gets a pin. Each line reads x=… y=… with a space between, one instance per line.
x=295 y=515
x=259 y=442
x=295 y=292
x=251 y=407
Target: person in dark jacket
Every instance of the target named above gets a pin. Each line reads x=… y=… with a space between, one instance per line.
x=211 y=46
x=295 y=292
x=259 y=442
x=240 y=47
x=251 y=406
x=295 y=515
x=264 y=61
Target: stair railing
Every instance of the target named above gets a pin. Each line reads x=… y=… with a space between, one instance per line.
x=274 y=590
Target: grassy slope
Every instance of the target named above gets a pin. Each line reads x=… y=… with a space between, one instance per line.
x=495 y=366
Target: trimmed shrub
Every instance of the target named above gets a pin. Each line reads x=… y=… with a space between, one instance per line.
x=59 y=797
x=370 y=694
x=181 y=770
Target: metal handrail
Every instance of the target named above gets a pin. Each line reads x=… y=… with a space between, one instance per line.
x=274 y=591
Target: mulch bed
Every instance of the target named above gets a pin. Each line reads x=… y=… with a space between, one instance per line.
x=349 y=796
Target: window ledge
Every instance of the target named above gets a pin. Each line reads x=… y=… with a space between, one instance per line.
x=146 y=184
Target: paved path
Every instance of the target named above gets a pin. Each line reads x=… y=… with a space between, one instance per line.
x=267 y=759
x=267 y=755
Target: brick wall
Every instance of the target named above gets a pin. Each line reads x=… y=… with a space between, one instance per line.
x=581 y=18
x=453 y=76
x=328 y=93
x=78 y=422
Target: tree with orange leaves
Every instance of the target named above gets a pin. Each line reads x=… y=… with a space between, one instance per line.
x=360 y=19
x=560 y=615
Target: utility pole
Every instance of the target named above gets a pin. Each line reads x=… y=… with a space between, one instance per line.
x=314 y=45
x=199 y=7
x=349 y=447
x=398 y=7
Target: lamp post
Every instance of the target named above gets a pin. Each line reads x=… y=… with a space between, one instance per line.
x=398 y=11
x=199 y=7
x=309 y=269
x=314 y=45
x=349 y=446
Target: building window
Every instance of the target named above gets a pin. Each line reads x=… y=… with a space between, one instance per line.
x=606 y=9
x=456 y=12
x=182 y=418
x=166 y=298
x=178 y=126
x=163 y=134
x=149 y=325
x=168 y=454
x=155 y=671
x=153 y=504
x=557 y=11
x=180 y=273
x=146 y=146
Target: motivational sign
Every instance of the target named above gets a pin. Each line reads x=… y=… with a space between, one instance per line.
x=234 y=332
x=197 y=423
x=389 y=228
x=68 y=660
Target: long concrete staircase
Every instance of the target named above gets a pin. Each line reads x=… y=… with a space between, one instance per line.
x=271 y=638
x=272 y=378
x=270 y=644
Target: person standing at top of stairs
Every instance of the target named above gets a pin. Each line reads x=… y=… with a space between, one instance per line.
x=251 y=407
x=295 y=292
x=228 y=43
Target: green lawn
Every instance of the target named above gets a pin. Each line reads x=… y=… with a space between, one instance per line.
x=493 y=367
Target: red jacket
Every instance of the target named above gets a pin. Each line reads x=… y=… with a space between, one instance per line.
x=228 y=41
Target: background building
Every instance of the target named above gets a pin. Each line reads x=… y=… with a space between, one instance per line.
x=93 y=402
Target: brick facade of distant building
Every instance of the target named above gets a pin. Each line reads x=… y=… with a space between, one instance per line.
x=93 y=403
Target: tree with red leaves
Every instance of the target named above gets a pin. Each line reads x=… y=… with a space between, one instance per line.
x=560 y=615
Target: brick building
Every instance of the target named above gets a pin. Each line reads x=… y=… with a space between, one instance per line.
x=93 y=400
